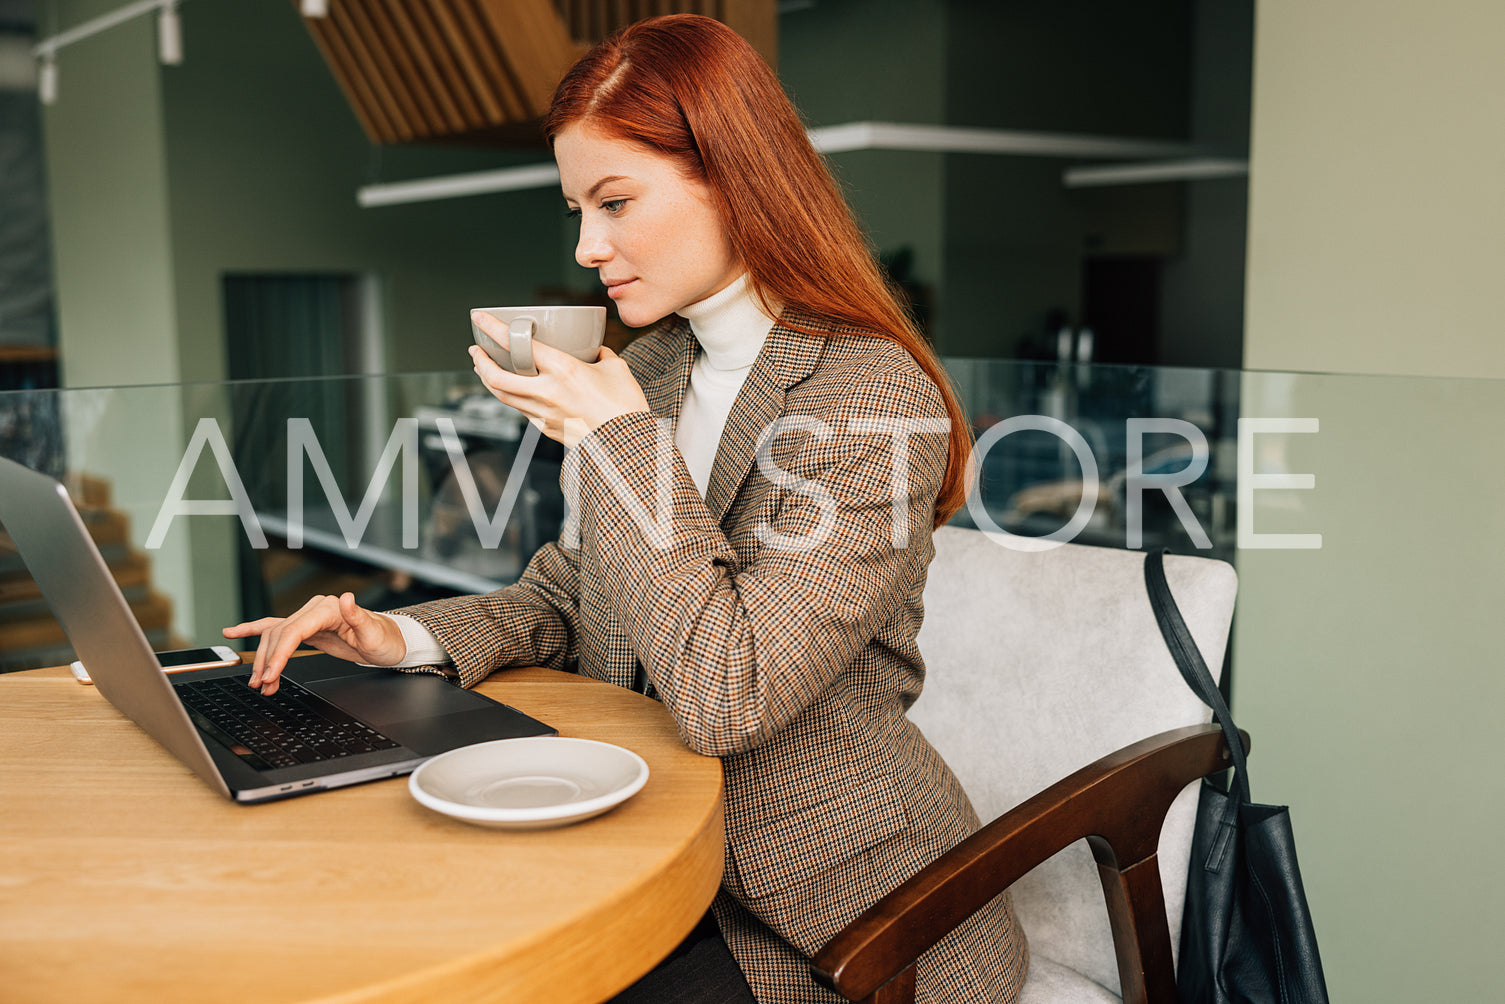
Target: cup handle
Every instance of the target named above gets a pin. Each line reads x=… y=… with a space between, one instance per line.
x=520 y=346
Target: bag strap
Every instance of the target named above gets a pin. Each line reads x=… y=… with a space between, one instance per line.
x=1193 y=669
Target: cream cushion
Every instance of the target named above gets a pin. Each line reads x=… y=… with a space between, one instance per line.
x=1037 y=664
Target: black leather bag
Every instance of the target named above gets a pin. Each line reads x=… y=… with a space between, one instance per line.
x=1246 y=933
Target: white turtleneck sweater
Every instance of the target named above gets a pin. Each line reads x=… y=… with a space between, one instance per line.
x=731 y=329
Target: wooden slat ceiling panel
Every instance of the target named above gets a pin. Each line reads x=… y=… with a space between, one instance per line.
x=371 y=50
x=489 y=57
x=352 y=80
x=535 y=43
x=457 y=49
x=482 y=71
x=590 y=21
x=755 y=20
x=405 y=63
x=428 y=39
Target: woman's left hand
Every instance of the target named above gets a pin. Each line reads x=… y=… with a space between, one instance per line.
x=568 y=398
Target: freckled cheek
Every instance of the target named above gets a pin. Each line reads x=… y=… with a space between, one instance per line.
x=701 y=245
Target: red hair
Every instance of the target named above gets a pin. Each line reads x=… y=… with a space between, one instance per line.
x=692 y=89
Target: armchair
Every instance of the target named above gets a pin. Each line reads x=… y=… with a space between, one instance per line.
x=1039 y=663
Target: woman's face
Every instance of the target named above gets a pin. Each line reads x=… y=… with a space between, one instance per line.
x=651 y=234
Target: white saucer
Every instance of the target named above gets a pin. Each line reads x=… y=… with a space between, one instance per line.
x=529 y=783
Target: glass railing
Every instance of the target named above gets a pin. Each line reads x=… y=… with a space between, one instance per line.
x=414 y=486
x=190 y=493
x=1119 y=456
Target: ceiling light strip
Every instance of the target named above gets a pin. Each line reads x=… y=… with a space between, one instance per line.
x=507 y=179
x=963 y=139
x=1194 y=169
x=844 y=138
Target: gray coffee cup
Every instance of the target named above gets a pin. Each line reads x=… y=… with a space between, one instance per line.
x=572 y=329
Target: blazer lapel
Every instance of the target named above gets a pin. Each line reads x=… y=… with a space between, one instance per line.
x=668 y=370
x=788 y=356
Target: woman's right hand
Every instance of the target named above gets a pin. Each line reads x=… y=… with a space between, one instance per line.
x=331 y=624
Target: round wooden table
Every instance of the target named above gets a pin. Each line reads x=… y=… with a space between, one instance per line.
x=124 y=878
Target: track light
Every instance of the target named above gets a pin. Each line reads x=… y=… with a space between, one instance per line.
x=315 y=8
x=47 y=80
x=169 y=39
x=169 y=35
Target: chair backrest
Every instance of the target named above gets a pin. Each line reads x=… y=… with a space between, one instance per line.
x=1039 y=663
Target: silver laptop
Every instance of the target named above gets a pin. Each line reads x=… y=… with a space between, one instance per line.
x=339 y=724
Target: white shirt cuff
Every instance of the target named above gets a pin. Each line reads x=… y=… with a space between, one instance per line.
x=423 y=648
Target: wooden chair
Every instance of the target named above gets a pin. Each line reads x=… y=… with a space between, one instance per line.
x=1041 y=666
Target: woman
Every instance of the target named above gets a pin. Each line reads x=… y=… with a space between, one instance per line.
x=815 y=445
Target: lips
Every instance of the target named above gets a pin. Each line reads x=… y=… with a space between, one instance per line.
x=615 y=287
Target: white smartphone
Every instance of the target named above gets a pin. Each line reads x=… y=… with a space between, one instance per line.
x=178 y=661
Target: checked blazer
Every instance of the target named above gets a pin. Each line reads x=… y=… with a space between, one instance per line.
x=775 y=617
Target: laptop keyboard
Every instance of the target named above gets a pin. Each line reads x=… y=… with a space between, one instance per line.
x=294 y=726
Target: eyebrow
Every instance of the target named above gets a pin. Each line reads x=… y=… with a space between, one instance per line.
x=603 y=183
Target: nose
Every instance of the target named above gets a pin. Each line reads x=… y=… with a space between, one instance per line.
x=592 y=250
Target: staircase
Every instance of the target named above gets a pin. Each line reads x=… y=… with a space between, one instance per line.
x=29 y=635
x=481 y=72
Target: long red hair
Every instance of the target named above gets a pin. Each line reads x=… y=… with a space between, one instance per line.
x=693 y=89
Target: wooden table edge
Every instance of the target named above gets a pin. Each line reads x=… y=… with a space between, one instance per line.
x=602 y=942
x=607 y=944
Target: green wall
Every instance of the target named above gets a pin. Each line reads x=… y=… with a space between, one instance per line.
x=265 y=157
x=1377 y=226
x=898 y=75
x=246 y=158
x=1368 y=672
x=1016 y=238
x=108 y=198
x=999 y=240
x=1202 y=323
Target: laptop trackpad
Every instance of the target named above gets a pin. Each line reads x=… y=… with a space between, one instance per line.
x=425 y=713
x=433 y=736
x=380 y=698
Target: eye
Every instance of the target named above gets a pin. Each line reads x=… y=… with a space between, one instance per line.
x=572 y=213
x=613 y=206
